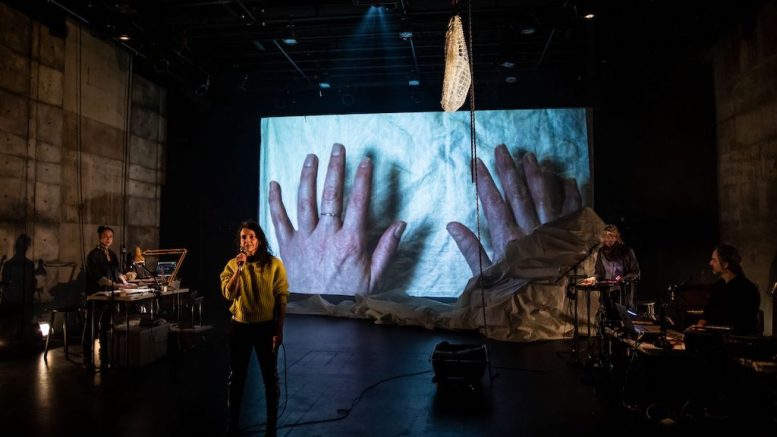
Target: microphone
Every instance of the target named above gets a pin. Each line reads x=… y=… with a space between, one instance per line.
x=240 y=263
x=680 y=285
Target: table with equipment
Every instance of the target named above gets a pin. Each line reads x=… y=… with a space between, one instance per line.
x=126 y=297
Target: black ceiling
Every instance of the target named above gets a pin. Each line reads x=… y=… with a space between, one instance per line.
x=236 y=46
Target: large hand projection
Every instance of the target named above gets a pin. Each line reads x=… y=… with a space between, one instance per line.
x=359 y=226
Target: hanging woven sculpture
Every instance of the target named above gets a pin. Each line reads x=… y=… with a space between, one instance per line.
x=457 y=79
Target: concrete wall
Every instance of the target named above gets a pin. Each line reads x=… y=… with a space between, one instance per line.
x=63 y=118
x=745 y=67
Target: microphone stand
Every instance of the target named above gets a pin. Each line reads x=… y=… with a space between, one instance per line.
x=577 y=264
x=572 y=295
x=157 y=290
x=662 y=341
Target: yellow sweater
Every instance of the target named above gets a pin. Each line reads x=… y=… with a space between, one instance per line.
x=258 y=289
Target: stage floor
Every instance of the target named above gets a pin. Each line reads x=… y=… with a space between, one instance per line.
x=330 y=366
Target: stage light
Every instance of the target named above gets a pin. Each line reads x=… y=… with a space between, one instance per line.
x=125 y=37
x=406 y=35
x=45 y=328
x=586 y=9
x=511 y=79
x=376 y=3
x=291 y=37
x=324 y=85
x=528 y=24
x=507 y=64
x=414 y=82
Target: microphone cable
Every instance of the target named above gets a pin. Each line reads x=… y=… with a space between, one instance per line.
x=342 y=412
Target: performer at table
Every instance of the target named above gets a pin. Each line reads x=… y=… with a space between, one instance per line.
x=734 y=299
x=616 y=262
x=102 y=274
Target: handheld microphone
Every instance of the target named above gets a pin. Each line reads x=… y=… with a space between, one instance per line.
x=240 y=263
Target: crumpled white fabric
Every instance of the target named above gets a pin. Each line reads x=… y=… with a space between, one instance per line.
x=525 y=293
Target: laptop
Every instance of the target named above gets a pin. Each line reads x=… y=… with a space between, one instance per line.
x=625 y=315
x=165 y=268
x=645 y=332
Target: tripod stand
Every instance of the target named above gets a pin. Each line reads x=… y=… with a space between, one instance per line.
x=664 y=319
x=571 y=294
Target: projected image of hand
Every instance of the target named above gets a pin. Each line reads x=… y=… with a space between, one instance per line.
x=531 y=197
x=328 y=253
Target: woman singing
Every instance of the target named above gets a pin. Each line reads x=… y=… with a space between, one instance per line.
x=255 y=284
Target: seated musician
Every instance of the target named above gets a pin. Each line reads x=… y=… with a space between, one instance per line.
x=734 y=299
x=615 y=262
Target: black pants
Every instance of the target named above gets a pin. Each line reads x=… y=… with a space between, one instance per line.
x=243 y=338
x=102 y=325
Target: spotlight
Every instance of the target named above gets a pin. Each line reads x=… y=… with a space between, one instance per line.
x=585 y=9
x=45 y=328
x=125 y=37
x=528 y=24
x=376 y=3
x=406 y=35
x=414 y=82
x=291 y=37
x=324 y=85
x=507 y=64
x=511 y=79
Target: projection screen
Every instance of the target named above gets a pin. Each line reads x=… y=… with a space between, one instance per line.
x=421 y=175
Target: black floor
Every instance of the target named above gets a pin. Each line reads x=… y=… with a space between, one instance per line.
x=342 y=378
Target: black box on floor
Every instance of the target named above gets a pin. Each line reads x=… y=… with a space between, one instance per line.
x=459 y=362
x=146 y=344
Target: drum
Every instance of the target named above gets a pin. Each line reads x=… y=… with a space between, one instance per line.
x=647 y=309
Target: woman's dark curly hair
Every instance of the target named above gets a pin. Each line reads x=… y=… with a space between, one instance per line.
x=263 y=254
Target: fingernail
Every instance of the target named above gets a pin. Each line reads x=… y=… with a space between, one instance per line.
x=452 y=229
x=365 y=162
x=531 y=158
x=400 y=229
x=310 y=160
x=337 y=149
